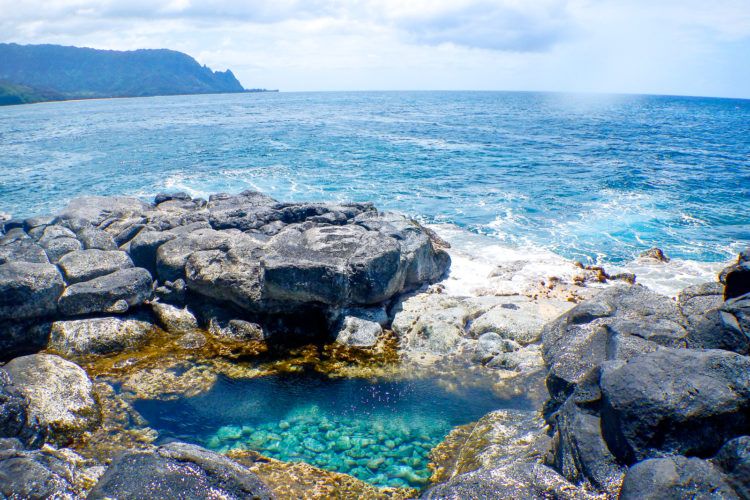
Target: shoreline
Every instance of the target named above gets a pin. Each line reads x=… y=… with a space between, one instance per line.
x=142 y=301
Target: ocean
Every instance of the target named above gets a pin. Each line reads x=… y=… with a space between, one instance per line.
x=591 y=178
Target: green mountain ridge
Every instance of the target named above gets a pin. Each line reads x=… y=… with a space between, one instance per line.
x=33 y=73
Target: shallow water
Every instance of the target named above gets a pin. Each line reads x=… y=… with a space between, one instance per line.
x=378 y=431
x=594 y=178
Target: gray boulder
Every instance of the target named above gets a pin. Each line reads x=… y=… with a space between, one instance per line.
x=29 y=290
x=674 y=401
x=22 y=337
x=42 y=474
x=618 y=323
x=675 y=478
x=360 y=327
x=709 y=324
x=59 y=395
x=734 y=459
x=96 y=209
x=95 y=239
x=173 y=319
x=14 y=421
x=172 y=256
x=736 y=279
x=144 y=246
x=82 y=337
x=581 y=454
x=23 y=250
x=85 y=265
x=178 y=470
x=58 y=241
x=111 y=293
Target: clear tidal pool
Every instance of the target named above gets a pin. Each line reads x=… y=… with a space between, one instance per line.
x=380 y=431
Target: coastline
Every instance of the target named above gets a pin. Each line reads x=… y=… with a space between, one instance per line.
x=139 y=301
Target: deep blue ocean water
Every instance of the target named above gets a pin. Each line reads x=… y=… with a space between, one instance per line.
x=589 y=177
x=379 y=431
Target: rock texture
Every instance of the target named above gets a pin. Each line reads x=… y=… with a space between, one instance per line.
x=59 y=395
x=178 y=470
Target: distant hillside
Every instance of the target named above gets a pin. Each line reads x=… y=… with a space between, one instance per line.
x=53 y=72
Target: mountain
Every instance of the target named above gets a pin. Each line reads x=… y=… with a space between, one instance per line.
x=30 y=73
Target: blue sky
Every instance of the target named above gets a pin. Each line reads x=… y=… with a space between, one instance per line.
x=693 y=47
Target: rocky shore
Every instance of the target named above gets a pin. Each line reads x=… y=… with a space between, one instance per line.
x=638 y=395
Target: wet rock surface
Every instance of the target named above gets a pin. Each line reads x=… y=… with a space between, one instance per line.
x=59 y=395
x=178 y=470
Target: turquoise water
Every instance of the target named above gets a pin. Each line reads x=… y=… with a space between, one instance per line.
x=589 y=177
x=377 y=431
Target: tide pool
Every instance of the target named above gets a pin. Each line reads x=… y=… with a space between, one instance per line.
x=379 y=431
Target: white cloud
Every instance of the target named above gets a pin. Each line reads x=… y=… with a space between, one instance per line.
x=669 y=46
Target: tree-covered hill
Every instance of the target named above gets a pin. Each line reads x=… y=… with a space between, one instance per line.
x=41 y=72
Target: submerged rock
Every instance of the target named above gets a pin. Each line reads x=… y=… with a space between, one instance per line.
x=178 y=470
x=59 y=395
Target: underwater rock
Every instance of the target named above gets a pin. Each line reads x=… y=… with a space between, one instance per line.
x=45 y=473
x=85 y=265
x=59 y=395
x=178 y=470
x=114 y=292
x=675 y=401
x=619 y=322
x=675 y=477
x=98 y=335
x=29 y=290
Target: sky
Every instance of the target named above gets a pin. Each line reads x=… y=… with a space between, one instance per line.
x=685 y=47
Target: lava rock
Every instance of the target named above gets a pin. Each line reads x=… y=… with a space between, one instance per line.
x=144 y=246
x=59 y=395
x=737 y=280
x=172 y=256
x=675 y=477
x=174 y=319
x=85 y=265
x=709 y=324
x=29 y=290
x=734 y=459
x=14 y=421
x=110 y=293
x=675 y=401
x=360 y=327
x=82 y=337
x=178 y=470
x=619 y=322
x=95 y=239
x=23 y=250
x=41 y=474
x=581 y=454
x=96 y=209
x=22 y=337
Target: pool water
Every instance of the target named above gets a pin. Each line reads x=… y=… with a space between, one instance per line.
x=378 y=431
